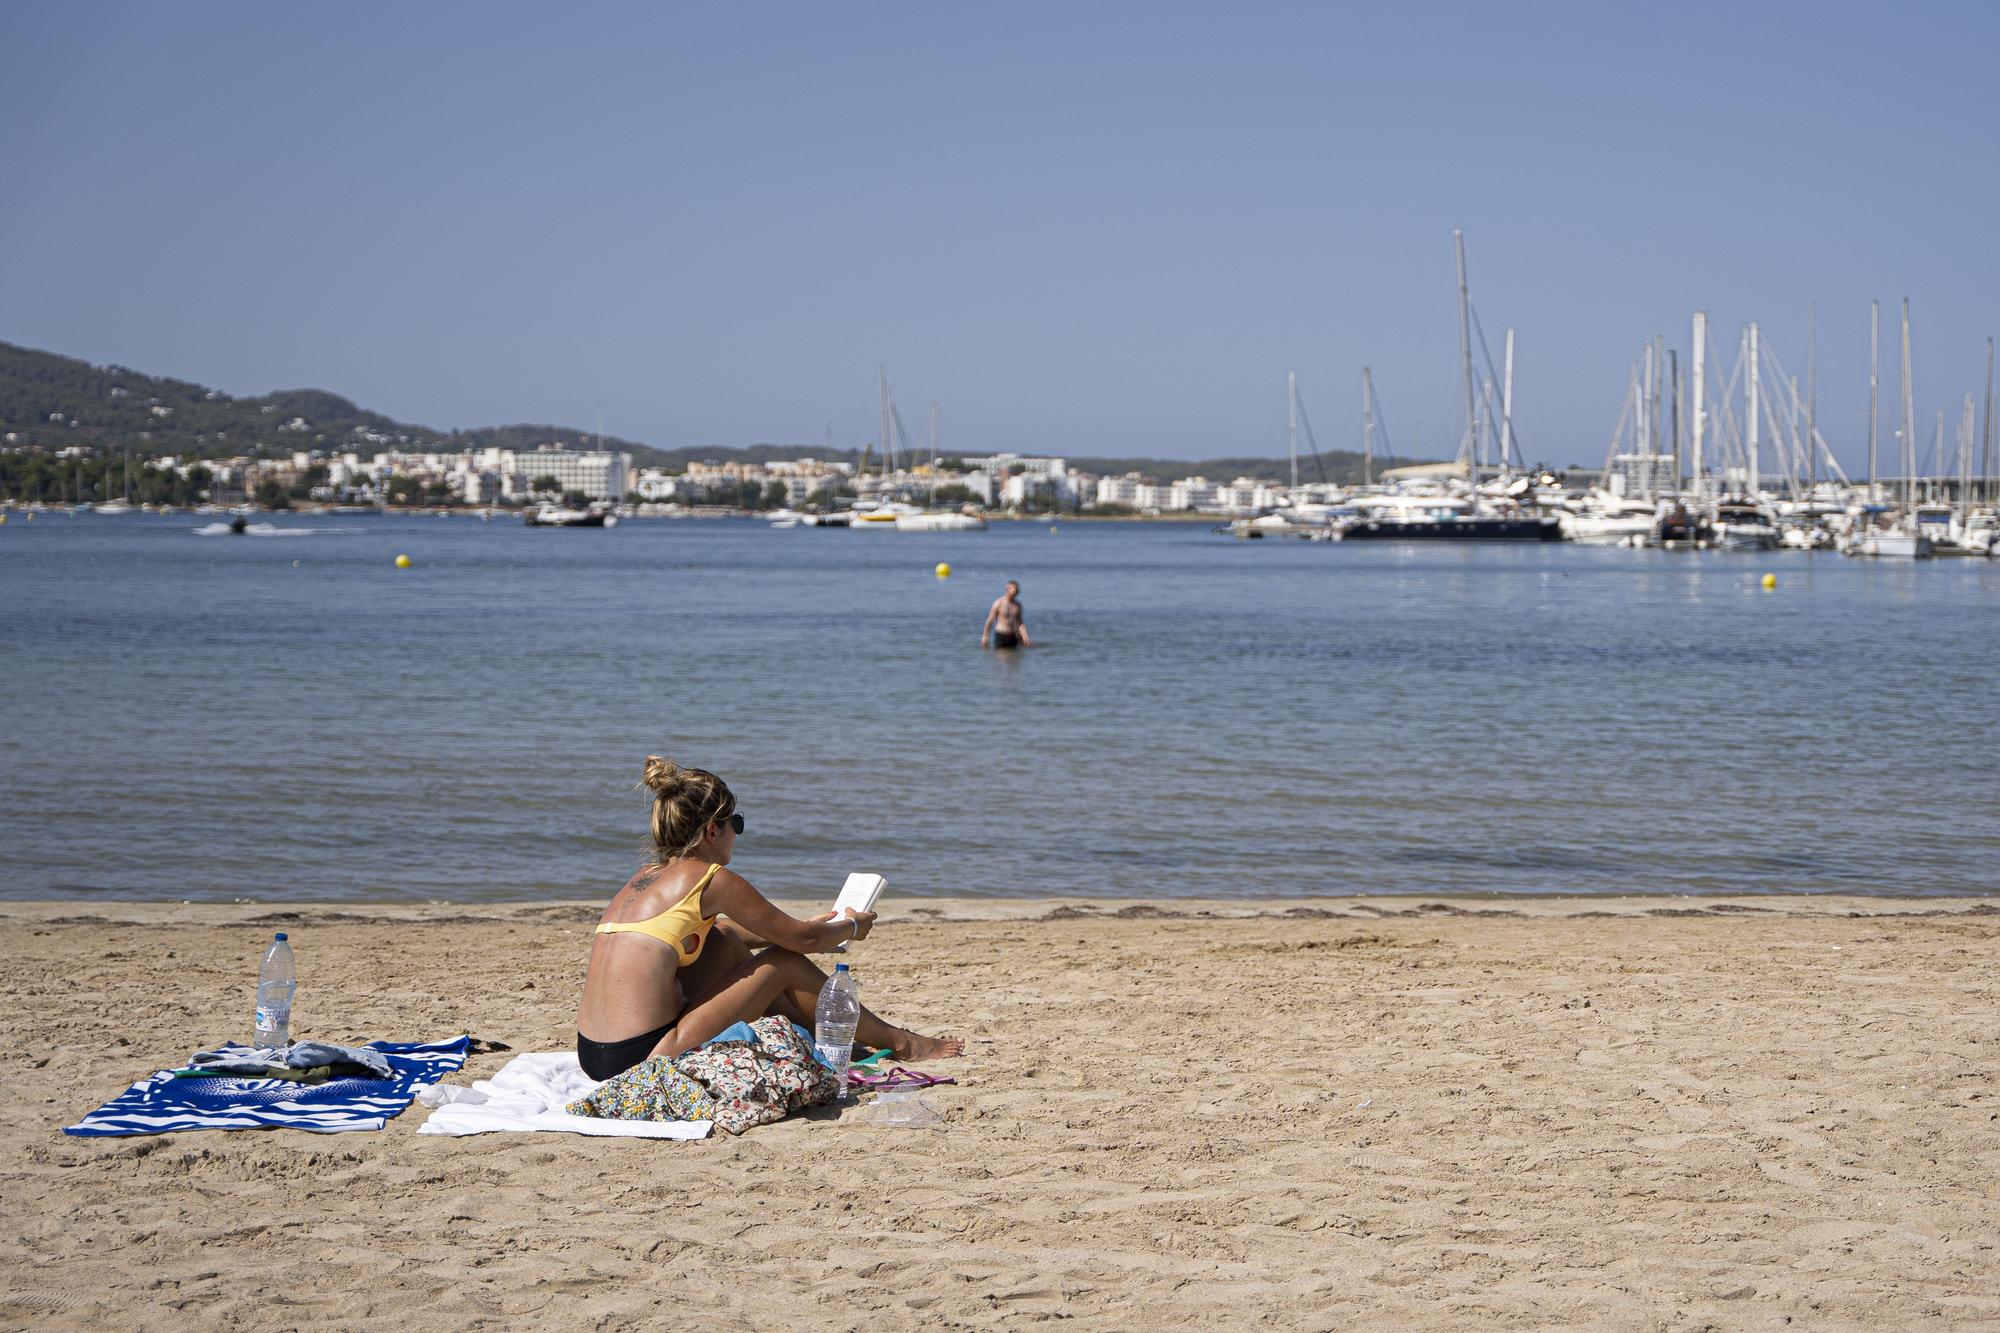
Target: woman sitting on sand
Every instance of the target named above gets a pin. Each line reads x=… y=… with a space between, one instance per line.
x=672 y=964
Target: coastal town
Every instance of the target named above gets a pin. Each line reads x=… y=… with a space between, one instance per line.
x=555 y=472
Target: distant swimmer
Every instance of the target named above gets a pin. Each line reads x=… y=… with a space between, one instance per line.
x=239 y=525
x=1004 y=626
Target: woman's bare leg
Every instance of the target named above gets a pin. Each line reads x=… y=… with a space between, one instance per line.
x=778 y=981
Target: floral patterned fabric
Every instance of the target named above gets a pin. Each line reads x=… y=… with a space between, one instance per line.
x=737 y=1084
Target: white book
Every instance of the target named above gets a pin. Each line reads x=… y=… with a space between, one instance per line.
x=859 y=892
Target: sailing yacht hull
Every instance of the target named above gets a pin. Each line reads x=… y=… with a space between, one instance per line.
x=1452 y=530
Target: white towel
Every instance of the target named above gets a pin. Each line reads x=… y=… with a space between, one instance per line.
x=530 y=1094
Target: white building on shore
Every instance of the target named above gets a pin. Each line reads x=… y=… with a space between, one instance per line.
x=600 y=476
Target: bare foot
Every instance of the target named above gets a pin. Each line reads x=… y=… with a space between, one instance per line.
x=910 y=1046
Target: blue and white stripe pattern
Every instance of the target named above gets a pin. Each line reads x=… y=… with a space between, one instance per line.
x=164 y=1104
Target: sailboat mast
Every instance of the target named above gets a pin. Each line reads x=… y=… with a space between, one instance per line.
x=1465 y=357
x=1812 y=397
x=1751 y=445
x=1368 y=420
x=1874 y=386
x=1507 y=406
x=1659 y=365
x=1986 y=485
x=1699 y=402
x=1673 y=406
x=1965 y=459
x=1292 y=414
x=1937 y=461
x=1642 y=398
x=1909 y=459
x=882 y=384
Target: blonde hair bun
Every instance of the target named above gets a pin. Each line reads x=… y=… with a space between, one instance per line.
x=663 y=775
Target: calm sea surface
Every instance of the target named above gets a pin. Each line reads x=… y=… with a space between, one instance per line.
x=291 y=717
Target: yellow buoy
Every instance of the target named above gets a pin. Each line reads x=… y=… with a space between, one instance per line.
x=402 y=562
x=1770 y=582
x=943 y=570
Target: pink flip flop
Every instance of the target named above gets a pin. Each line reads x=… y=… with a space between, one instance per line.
x=897 y=1077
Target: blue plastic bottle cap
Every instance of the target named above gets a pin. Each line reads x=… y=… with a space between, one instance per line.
x=838 y=967
x=280 y=935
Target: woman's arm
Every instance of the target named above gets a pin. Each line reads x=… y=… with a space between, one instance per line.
x=731 y=895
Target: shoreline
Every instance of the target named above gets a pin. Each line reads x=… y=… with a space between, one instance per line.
x=947 y=910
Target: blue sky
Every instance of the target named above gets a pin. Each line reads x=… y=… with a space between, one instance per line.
x=1085 y=228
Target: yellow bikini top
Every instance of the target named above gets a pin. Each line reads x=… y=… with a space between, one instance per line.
x=681 y=922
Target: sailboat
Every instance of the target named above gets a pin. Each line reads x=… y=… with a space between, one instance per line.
x=1405 y=518
x=1905 y=540
x=895 y=515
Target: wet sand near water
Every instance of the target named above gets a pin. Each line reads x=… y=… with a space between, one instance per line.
x=1603 y=1113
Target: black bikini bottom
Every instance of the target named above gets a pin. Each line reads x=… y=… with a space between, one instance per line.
x=608 y=1059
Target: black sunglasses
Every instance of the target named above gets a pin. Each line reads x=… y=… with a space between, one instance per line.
x=735 y=821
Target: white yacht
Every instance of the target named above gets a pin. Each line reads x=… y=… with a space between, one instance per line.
x=1742 y=524
x=940 y=521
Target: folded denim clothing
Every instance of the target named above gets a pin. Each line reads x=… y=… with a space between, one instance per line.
x=284 y=1073
x=278 y=1061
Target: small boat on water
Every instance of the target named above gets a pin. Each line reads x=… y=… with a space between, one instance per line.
x=1678 y=527
x=1741 y=524
x=940 y=521
x=1604 y=519
x=555 y=516
x=895 y=516
x=1954 y=533
x=1890 y=545
x=1439 y=518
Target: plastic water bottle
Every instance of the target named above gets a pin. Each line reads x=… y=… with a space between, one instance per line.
x=276 y=980
x=834 y=1022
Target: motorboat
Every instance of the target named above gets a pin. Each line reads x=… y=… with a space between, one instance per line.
x=1954 y=533
x=1889 y=544
x=1804 y=537
x=1741 y=524
x=1430 y=518
x=880 y=517
x=940 y=521
x=1603 y=519
x=555 y=516
x=1263 y=525
x=1678 y=526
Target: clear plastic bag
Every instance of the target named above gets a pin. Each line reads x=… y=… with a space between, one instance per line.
x=901 y=1108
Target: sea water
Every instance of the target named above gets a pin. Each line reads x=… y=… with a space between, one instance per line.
x=208 y=717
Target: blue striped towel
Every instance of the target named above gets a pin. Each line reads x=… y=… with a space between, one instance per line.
x=163 y=1104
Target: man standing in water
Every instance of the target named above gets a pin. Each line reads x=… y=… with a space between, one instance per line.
x=1004 y=626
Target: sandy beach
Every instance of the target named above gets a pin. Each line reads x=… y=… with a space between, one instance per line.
x=1603 y=1113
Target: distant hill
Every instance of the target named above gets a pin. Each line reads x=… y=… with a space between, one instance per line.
x=53 y=401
